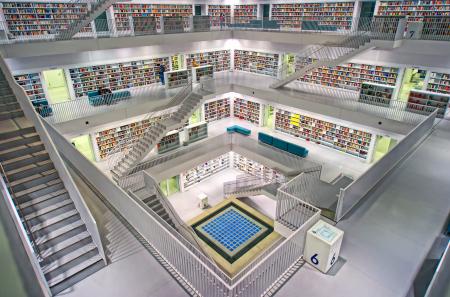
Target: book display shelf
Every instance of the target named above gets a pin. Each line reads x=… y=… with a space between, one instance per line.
x=256 y=62
x=247 y=110
x=42 y=18
x=331 y=16
x=204 y=170
x=32 y=84
x=123 y=12
x=243 y=14
x=256 y=169
x=351 y=141
x=116 y=76
x=415 y=10
x=205 y=72
x=216 y=10
x=196 y=132
x=425 y=102
x=122 y=136
x=169 y=142
x=176 y=79
x=376 y=94
x=217 y=110
x=439 y=83
x=220 y=59
x=352 y=75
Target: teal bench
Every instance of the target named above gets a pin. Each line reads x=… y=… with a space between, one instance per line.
x=239 y=129
x=95 y=99
x=283 y=145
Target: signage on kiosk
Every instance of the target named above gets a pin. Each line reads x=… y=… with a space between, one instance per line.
x=322 y=246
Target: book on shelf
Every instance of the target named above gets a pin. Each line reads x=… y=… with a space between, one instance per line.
x=217 y=110
x=416 y=10
x=243 y=14
x=254 y=168
x=247 y=110
x=169 y=142
x=32 y=85
x=205 y=170
x=256 y=62
x=220 y=60
x=216 y=10
x=426 y=102
x=376 y=94
x=28 y=19
x=176 y=79
x=439 y=83
x=196 y=132
x=349 y=140
x=116 y=76
x=202 y=72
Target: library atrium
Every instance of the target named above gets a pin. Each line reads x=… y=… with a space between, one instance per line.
x=225 y=148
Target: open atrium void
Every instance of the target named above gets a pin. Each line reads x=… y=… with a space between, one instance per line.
x=225 y=148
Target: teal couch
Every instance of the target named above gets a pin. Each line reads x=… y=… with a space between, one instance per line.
x=239 y=129
x=95 y=99
x=283 y=145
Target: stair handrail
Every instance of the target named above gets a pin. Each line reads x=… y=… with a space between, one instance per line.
x=116 y=154
x=188 y=232
x=19 y=209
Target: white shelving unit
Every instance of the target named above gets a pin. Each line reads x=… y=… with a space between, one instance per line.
x=256 y=62
x=169 y=142
x=32 y=84
x=376 y=94
x=207 y=72
x=217 y=109
x=247 y=110
x=176 y=79
x=254 y=168
x=425 y=102
x=195 y=132
x=204 y=171
x=439 y=83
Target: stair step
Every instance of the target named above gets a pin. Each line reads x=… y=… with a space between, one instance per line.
x=80 y=266
x=32 y=196
x=40 y=168
x=46 y=201
x=19 y=132
x=73 y=279
x=21 y=152
x=53 y=220
x=9 y=106
x=149 y=199
x=53 y=212
x=50 y=208
x=34 y=181
x=69 y=225
x=59 y=263
x=71 y=231
x=16 y=142
x=64 y=244
x=4 y=115
x=24 y=161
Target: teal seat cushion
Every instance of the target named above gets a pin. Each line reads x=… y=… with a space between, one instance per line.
x=280 y=144
x=265 y=138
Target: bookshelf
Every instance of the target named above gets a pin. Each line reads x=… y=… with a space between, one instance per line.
x=169 y=142
x=32 y=85
x=196 y=132
x=123 y=12
x=176 y=79
x=352 y=75
x=345 y=139
x=439 y=83
x=415 y=10
x=42 y=18
x=145 y=25
x=329 y=15
x=217 y=110
x=220 y=59
x=122 y=136
x=245 y=13
x=174 y=24
x=206 y=71
x=215 y=10
x=204 y=170
x=376 y=94
x=116 y=76
x=256 y=62
x=256 y=169
x=247 y=110
x=425 y=102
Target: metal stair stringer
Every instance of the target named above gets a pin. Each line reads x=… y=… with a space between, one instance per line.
x=323 y=62
x=154 y=134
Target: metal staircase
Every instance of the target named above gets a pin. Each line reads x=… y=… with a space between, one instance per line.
x=190 y=101
x=54 y=227
x=248 y=185
x=329 y=55
x=96 y=9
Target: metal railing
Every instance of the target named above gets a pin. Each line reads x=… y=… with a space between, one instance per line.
x=433 y=29
x=244 y=183
x=19 y=210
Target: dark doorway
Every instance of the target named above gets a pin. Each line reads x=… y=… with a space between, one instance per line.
x=367 y=11
x=198 y=10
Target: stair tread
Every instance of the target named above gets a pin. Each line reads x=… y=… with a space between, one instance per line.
x=68 y=258
x=48 y=209
x=28 y=163
x=32 y=177
x=43 y=198
x=53 y=220
x=74 y=270
x=64 y=244
x=35 y=192
x=58 y=232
